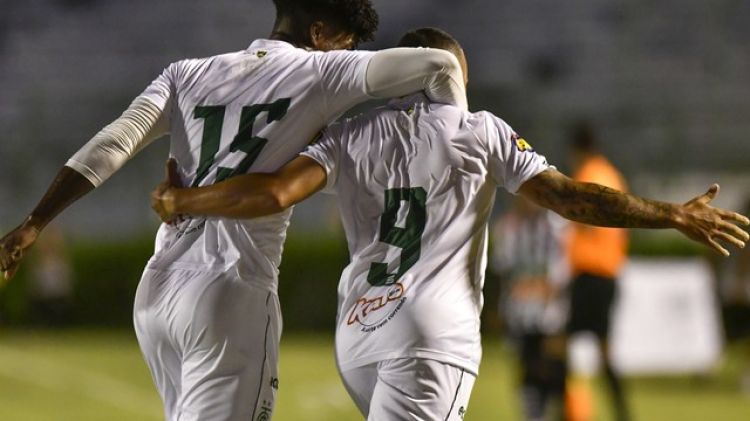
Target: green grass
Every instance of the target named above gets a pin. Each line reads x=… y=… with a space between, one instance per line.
x=97 y=375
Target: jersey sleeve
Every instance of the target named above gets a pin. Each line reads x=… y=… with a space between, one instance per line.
x=511 y=160
x=397 y=72
x=326 y=152
x=343 y=78
x=145 y=120
x=162 y=91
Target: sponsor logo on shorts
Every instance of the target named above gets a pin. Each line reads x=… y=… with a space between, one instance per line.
x=372 y=313
x=275 y=383
x=461 y=412
x=266 y=408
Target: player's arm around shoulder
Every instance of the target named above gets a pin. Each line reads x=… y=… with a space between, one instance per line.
x=595 y=204
x=256 y=194
x=242 y=197
x=400 y=71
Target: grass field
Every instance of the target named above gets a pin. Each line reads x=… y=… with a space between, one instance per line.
x=96 y=375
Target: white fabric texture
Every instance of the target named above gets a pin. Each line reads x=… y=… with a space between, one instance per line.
x=410 y=390
x=398 y=71
x=211 y=344
x=416 y=183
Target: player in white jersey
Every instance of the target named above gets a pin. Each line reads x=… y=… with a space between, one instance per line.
x=416 y=183
x=206 y=312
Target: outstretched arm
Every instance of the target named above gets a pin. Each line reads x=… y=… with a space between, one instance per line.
x=594 y=204
x=104 y=154
x=244 y=196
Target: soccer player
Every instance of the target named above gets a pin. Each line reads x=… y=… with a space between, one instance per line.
x=528 y=258
x=416 y=183
x=206 y=312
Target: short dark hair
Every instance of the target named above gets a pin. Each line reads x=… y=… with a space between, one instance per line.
x=431 y=38
x=356 y=16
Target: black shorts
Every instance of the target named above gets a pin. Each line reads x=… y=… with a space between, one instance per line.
x=591 y=299
x=736 y=317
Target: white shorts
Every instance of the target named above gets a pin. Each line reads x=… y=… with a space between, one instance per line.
x=211 y=343
x=410 y=389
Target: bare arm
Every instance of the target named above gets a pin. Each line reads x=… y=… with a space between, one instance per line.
x=67 y=187
x=594 y=204
x=245 y=196
x=99 y=158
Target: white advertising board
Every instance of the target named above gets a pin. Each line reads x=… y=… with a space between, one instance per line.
x=666 y=319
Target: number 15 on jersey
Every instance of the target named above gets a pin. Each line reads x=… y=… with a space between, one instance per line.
x=244 y=141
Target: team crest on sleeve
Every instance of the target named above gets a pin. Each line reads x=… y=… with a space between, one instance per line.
x=521 y=143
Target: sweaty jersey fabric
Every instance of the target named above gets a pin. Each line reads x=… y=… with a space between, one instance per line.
x=410 y=389
x=251 y=110
x=416 y=183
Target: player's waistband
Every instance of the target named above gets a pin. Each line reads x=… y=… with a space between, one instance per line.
x=468 y=363
x=261 y=282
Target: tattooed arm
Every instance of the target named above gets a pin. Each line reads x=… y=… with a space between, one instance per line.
x=594 y=204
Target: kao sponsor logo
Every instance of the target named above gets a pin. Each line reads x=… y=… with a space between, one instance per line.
x=372 y=313
x=521 y=143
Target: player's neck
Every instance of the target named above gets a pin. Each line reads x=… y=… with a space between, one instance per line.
x=283 y=36
x=284 y=30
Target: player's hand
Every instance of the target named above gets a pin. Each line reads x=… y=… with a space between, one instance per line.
x=709 y=225
x=162 y=197
x=13 y=247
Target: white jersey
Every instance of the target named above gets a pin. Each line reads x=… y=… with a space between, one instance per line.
x=251 y=110
x=416 y=184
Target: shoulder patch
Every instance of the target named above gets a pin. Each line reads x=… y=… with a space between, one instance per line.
x=521 y=144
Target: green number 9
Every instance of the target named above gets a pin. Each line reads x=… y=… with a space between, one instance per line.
x=408 y=238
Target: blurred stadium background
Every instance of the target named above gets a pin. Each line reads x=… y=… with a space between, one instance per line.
x=667 y=84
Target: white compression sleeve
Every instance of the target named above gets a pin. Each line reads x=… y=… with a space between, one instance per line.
x=400 y=71
x=115 y=144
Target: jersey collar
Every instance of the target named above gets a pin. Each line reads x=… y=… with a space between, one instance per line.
x=269 y=44
x=404 y=103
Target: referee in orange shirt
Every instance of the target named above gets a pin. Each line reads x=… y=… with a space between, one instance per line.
x=596 y=256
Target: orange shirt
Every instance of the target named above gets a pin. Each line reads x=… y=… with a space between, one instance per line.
x=595 y=250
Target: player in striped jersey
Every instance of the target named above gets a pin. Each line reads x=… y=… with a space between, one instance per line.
x=529 y=261
x=416 y=183
x=206 y=311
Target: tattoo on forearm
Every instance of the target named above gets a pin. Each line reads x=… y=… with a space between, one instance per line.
x=595 y=204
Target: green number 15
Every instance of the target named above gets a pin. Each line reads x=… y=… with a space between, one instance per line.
x=244 y=141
